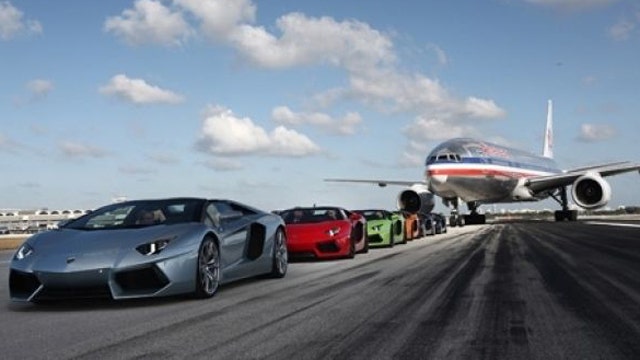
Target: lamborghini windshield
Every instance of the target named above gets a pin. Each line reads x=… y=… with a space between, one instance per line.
x=136 y=214
x=372 y=214
x=311 y=215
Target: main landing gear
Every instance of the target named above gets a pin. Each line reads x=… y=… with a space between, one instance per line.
x=565 y=213
x=455 y=219
x=473 y=218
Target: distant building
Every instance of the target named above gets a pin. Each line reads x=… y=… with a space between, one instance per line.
x=32 y=221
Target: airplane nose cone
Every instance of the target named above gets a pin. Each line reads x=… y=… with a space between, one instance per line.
x=438 y=179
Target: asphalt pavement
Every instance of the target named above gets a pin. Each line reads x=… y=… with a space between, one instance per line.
x=532 y=290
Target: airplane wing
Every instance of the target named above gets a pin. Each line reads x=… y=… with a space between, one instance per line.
x=549 y=182
x=381 y=183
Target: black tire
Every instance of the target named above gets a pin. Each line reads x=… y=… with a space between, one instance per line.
x=280 y=255
x=392 y=235
x=404 y=234
x=352 y=249
x=365 y=238
x=207 y=269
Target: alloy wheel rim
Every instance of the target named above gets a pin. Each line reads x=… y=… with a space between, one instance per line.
x=281 y=253
x=209 y=267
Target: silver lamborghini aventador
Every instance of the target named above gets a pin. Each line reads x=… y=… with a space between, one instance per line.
x=150 y=248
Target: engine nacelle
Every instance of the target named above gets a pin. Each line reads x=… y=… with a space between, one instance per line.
x=591 y=191
x=416 y=199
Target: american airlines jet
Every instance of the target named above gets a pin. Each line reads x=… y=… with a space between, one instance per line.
x=478 y=172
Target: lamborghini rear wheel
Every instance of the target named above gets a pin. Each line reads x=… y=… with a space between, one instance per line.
x=208 y=272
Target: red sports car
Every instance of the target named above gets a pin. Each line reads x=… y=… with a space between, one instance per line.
x=324 y=232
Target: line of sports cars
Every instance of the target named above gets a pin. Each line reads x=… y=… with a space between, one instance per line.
x=163 y=247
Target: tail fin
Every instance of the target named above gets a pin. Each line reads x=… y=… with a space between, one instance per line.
x=547 y=151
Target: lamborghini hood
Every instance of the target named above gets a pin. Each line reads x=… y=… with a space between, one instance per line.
x=317 y=231
x=69 y=250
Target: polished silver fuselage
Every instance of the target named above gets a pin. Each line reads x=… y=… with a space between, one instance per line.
x=482 y=172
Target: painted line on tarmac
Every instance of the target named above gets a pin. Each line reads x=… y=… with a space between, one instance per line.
x=613 y=224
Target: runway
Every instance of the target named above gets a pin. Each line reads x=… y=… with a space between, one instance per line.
x=531 y=290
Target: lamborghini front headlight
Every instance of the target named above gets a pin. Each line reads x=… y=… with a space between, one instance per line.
x=333 y=231
x=24 y=251
x=154 y=247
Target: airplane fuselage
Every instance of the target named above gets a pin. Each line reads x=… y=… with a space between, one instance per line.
x=483 y=172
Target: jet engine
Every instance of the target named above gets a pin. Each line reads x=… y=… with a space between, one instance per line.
x=591 y=191
x=416 y=199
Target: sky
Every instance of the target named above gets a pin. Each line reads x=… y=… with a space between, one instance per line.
x=259 y=101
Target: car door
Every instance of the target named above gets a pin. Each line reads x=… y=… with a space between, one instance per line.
x=231 y=227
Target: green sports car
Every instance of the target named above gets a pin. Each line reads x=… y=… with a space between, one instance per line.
x=384 y=228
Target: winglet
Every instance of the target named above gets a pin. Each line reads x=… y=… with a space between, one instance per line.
x=547 y=151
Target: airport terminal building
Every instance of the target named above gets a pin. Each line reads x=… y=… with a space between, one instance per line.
x=14 y=221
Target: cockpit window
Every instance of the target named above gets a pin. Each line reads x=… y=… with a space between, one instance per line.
x=446 y=157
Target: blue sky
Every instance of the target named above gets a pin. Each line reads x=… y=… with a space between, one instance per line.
x=258 y=101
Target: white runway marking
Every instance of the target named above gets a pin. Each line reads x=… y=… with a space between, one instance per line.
x=613 y=224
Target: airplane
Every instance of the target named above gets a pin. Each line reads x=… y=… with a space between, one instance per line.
x=479 y=172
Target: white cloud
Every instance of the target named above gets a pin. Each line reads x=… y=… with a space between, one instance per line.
x=12 y=23
x=220 y=18
x=78 y=150
x=138 y=91
x=149 y=22
x=572 y=5
x=303 y=40
x=481 y=108
x=401 y=92
x=40 y=87
x=419 y=94
x=428 y=129
x=414 y=154
x=441 y=55
x=349 y=44
x=596 y=132
x=328 y=97
x=225 y=134
x=347 y=125
x=622 y=30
